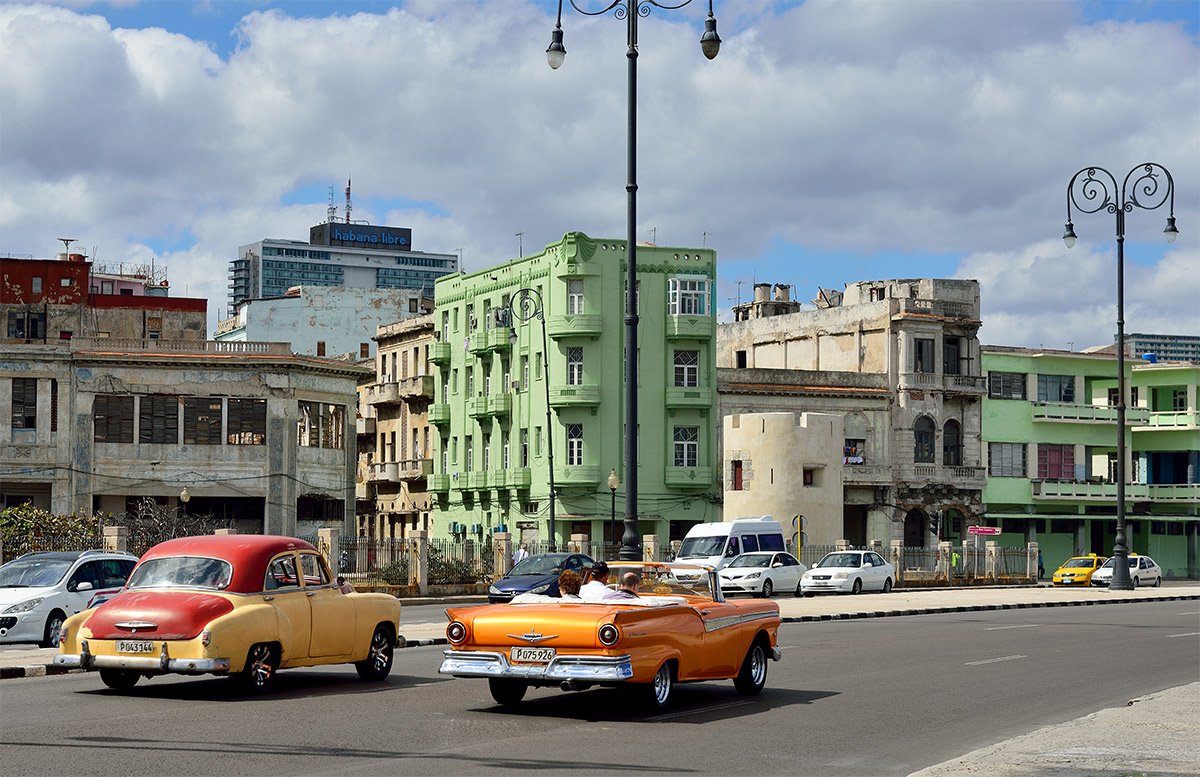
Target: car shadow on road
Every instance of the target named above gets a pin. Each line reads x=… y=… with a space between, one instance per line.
x=289 y=684
x=701 y=703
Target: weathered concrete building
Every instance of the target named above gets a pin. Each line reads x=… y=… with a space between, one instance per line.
x=900 y=359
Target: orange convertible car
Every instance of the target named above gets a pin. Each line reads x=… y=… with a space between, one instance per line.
x=678 y=629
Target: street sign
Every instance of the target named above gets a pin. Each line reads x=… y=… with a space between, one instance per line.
x=990 y=530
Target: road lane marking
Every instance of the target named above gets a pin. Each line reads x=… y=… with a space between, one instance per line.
x=993 y=660
x=701 y=710
x=1001 y=628
x=1188 y=613
x=1189 y=634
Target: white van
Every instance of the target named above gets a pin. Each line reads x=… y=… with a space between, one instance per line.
x=716 y=544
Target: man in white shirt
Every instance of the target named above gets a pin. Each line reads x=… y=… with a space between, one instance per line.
x=595 y=589
x=519 y=555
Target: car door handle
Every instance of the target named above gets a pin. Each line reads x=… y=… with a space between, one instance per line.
x=310 y=593
x=268 y=598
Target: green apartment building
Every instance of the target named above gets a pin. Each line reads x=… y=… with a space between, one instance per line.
x=1049 y=431
x=493 y=378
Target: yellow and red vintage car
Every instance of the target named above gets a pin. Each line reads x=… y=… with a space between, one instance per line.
x=242 y=605
x=678 y=629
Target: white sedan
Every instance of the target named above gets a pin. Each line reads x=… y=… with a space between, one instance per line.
x=1142 y=571
x=849 y=571
x=762 y=573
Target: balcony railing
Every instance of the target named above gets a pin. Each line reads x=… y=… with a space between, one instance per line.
x=439 y=353
x=1096 y=490
x=138 y=345
x=582 y=395
x=576 y=475
x=477 y=407
x=920 y=380
x=1071 y=412
x=520 y=478
x=1185 y=419
x=937 y=307
x=416 y=387
x=688 y=397
x=497 y=479
x=388 y=472
x=690 y=327
x=688 y=477
x=965 y=384
x=866 y=473
x=579 y=325
x=364 y=425
x=438 y=482
x=415 y=469
x=362 y=491
x=963 y=476
x=383 y=393
x=439 y=413
x=499 y=405
x=477 y=480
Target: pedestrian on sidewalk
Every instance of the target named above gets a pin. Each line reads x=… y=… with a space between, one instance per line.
x=1041 y=566
x=519 y=555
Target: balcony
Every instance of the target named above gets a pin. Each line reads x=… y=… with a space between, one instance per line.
x=485 y=341
x=459 y=481
x=1073 y=413
x=439 y=353
x=477 y=407
x=972 y=385
x=921 y=381
x=439 y=414
x=438 y=482
x=362 y=491
x=688 y=397
x=690 y=327
x=582 y=395
x=518 y=478
x=689 y=477
x=415 y=469
x=1186 y=419
x=365 y=425
x=383 y=393
x=497 y=479
x=581 y=325
x=937 y=307
x=477 y=480
x=388 y=472
x=416 y=387
x=499 y=405
x=576 y=475
x=1174 y=492
x=870 y=474
x=960 y=476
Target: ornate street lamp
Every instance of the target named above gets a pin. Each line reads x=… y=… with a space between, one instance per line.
x=526 y=304
x=613 y=484
x=710 y=44
x=1091 y=190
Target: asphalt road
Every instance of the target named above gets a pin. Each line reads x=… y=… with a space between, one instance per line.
x=873 y=696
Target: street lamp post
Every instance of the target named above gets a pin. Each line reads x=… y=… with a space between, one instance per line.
x=710 y=44
x=613 y=484
x=1091 y=190
x=526 y=304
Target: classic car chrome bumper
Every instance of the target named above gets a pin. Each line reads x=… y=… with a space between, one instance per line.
x=463 y=663
x=162 y=663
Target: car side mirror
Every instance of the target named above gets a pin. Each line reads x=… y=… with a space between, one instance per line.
x=777 y=565
x=867 y=564
x=84 y=586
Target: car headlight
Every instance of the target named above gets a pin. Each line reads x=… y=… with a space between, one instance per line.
x=840 y=575
x=26 y=605
x=541 y=589
x=493 y=590
x=753 y=575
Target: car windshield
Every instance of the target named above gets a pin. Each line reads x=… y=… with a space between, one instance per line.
x=1079 y=562
x=751 y=560
x=538 y=565
x=33 y=572
x=841 y=560
x=701 y=547
x=189 y=571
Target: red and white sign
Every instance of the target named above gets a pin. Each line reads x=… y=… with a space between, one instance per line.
x=989 y=530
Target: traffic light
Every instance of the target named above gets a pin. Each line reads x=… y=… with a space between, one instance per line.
x=933 y=525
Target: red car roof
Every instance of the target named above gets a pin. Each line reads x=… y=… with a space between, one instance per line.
x=247 y=553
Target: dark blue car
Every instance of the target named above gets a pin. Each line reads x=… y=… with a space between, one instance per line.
x=537 y=575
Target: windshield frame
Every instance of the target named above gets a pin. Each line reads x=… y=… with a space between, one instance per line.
x=761 y=560
x=838 y=559
x=33 y=569
x=206 y=568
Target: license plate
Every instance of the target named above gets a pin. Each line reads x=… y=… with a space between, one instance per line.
x=134 y=646
x=1068 y=580
x=532 y=655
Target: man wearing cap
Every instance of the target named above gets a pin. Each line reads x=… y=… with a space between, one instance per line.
x=595 y=589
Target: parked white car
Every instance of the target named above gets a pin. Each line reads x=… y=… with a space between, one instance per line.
x=848 y=571
x=762 y=574
x=38 y=591
x=1142 y=571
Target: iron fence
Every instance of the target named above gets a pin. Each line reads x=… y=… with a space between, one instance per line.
x=811 y=554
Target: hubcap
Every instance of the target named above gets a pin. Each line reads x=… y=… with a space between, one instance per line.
x=261 y=666
x=758 y=665
x=662 y=684
x=380 y=651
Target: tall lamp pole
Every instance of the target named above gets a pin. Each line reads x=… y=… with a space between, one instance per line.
x=526 y=304
x=710 y=44
x=1091 y=190
x=613 y=484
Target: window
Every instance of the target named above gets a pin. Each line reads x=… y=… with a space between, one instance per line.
x=1112 y=397
x=54 y=404
x=537 y=441
x=524 y=373
x=158 y=419
x=687 y=369
x=1006 y=385
x=1056 y=388
x=923 y=355
x=468 y=445
x=740 y=359
x=202 y=420
x=320 y=348
x=537 y=366
x=1178 y=400
x=487 y=452
x=153 y=327
x=322 y=426
x=924 y=433
x=951 y=356
x=314 y=570
x=504 y=461
x=854 y=451
x=952 y=444
x=36 y=284
x=445 y=326
x=524 y=447
x=446 y=388
x=574 y=366
x=24 y=403
x=454 y=381
x=810 y=477
x=574 y=297
x=735 y=475
x=470 y=382
x=24 y=325
x=445 y=455
x=364 y=350
x=687 y=446
x=574 y=444
x=112 y=418
x=688 y=296
x=1056 y=461
x=247 y=422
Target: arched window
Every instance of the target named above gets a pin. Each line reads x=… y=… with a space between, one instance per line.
x=924 y=433
x=952 y=453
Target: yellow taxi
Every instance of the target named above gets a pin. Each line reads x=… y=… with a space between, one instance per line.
x=1078 y=570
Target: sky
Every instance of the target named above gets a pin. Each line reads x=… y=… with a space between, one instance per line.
x=830 y=141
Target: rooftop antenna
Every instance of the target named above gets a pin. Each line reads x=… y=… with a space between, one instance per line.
x=331 y=214
x=459 y=252
x=520 y=236
x=347 y=200
x=654 y=235
x=704 y=240
x=67 y=241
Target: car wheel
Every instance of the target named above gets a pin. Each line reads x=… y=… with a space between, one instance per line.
x=119 y=679
x=1135 y=581
x=799 y=590
x=887 y=586
x=53 y=625
x=659 y=690
x=768 y=589
x=1157 y=582
x=857 y=588
x=753 y=675
x=806 y=593
x=261 y=664
x=507 y=692
x=378 y=663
